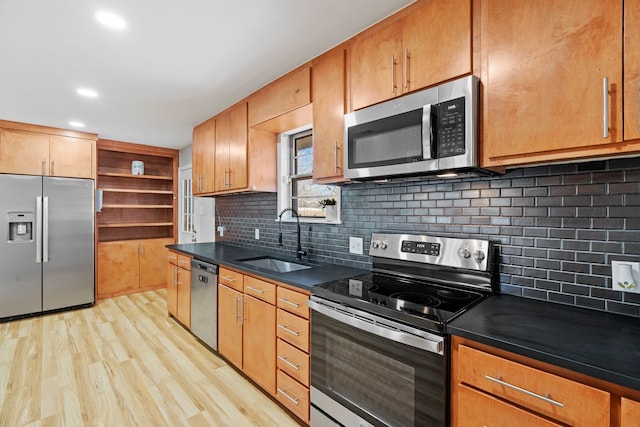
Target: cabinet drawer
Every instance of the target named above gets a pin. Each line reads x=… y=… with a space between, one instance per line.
x=231 y=278
x=184 y=262
x=172 y=257
x=293 y=329
x=559 y=398
x=480 y=409
x=260 y=289
x=293 y=395
x=293 y=361
x=294 y=302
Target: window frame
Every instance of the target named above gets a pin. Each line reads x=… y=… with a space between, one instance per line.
x=285 y=179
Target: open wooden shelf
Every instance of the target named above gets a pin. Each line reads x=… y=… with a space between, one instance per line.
x=128 y=175
x=110 y=206
x=136 y=206
x=134 y=224
x=134 y=190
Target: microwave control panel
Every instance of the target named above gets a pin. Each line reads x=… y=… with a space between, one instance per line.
x=451 y=140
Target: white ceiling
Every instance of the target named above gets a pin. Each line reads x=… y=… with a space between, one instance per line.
x=174 y=65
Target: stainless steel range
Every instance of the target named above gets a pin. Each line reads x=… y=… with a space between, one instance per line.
x=379 y=352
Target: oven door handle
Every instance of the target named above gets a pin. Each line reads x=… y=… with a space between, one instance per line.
x=362 y=321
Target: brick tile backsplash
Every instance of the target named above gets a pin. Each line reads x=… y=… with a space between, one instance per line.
x=556 y=228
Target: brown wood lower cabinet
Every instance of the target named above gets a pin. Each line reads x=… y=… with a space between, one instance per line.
x=293 y=358
x=179 y=287
x=630 y=413
x=246 y=327
x=494 y=387
x=248 y=319
x=127 y=266
x=230 y=324
x=258 y=342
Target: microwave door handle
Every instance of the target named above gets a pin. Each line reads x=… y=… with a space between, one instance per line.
x=427 y=133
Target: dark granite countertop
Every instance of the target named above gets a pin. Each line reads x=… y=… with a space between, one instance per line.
x=228 y=255
x=599 y=344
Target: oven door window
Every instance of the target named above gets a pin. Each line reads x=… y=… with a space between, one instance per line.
x=389 y=141
x=381 y=381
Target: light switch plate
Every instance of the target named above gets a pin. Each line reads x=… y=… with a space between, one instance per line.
x=355 y=245
x=625 y=276
x=257 y=234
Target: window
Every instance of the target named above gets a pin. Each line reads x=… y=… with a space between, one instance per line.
x=295 y=185
x=188 y=225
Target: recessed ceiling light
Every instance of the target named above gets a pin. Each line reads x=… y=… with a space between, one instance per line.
x=89 y=93
x=110 y=20
x=76 y=124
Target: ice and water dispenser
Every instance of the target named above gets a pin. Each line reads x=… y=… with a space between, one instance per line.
x=20 y=226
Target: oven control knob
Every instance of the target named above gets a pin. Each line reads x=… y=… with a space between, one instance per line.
x=464 y=253
x=375 y=244
x=384 y=244
x=478 y=255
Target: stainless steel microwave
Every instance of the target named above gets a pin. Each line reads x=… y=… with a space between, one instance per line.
x=431 y=132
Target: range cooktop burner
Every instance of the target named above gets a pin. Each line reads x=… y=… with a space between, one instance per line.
x=413 y=301
x=452 y=294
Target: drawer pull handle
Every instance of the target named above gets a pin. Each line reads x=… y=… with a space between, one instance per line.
x=527 y=392
x=284 y=393
x=259 y=291
x=293 y=365
x=286 y=301
x=227 y=278
x=284 y=328
x=171 y=257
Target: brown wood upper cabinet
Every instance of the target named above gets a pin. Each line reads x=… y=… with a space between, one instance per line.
x=33 y=152
x=329 y=84
x=552 y=75
x=631 y=70
x=431 y=43
x=231 y=148
x=204 y=157
x=284 y=95
x=229 y=157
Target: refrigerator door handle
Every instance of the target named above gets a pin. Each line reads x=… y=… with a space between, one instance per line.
x=38 y=229
x=45 y=229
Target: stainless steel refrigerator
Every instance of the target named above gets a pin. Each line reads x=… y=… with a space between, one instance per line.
x=47 y=245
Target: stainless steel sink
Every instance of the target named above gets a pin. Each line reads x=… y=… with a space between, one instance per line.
x=274 y=264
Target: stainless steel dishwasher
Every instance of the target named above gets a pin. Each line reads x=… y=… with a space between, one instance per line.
x=204 y=302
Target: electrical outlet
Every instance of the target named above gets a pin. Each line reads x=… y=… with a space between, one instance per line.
x=625 y=276
x=257 y=234
x=355 y=245
x=221 y=230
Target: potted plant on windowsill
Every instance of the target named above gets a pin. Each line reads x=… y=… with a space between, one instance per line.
x=331 y=209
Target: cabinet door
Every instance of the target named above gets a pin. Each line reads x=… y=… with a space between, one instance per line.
x=223 y=136
x=204 y=156
x=631 y=70
x=630 y=413
x=376 y=66
x=436 y=49
x=230 y=324
x=543 y=69
x=152 y=254
x=24 y=153
x=70 y=157
x=238 y=139
x=286 y=94
x=184 y=296
x=172 y=289
x=118 y=267
x=260 y=342
x=328 y=116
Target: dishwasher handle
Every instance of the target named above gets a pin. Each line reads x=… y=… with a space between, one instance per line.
x=204 y=266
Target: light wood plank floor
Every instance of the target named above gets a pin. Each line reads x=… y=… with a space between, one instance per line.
x=123 y=362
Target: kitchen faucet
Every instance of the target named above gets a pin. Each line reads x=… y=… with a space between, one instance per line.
x=299 y=252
